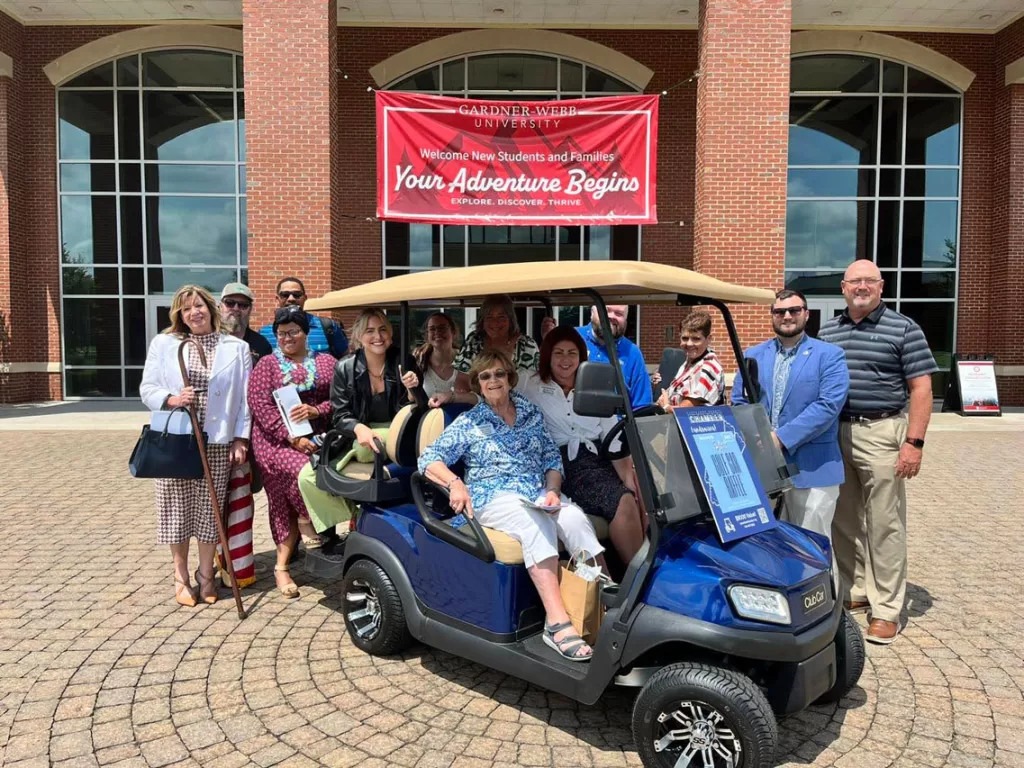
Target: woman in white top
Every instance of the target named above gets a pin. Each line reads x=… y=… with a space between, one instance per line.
x=436 y=355
x=601 y=487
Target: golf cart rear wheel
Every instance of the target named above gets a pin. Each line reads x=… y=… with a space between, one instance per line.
x=849 y=659
x=703 y=716
x=373 y=610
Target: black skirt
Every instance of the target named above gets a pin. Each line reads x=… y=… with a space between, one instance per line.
x=592 y=483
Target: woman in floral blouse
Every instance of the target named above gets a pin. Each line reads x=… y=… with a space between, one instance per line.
x=512 y=468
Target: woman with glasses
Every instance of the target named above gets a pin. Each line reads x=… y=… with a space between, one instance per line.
x=368 y=389
x=436 y=357
x=513 y=484
x=279 y=456
x=701 y=379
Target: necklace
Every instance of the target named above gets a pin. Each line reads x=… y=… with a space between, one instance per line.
x=302 y=375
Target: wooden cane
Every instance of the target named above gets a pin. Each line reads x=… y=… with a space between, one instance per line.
x=221 y=532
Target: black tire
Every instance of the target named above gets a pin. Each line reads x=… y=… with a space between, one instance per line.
x=849 y=660
x=727 y=715
x=373 y=610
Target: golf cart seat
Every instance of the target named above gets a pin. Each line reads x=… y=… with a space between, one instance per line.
x=506 y=549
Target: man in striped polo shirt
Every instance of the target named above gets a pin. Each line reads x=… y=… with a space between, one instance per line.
x=890 y=365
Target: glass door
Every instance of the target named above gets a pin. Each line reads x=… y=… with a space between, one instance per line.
x=158 y=315
x=821 y=310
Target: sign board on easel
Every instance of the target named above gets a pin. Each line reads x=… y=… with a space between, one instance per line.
x=973 y=390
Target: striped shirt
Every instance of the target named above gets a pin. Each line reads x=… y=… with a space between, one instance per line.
x=703 y=379
x=883 y=351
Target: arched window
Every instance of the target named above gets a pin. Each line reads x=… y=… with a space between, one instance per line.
x=151 y=179
x=874 y=173
x=412 y=247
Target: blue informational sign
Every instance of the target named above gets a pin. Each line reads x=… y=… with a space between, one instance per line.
x=726 y=470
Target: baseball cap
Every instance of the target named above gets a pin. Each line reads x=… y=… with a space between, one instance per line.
x=237 y=289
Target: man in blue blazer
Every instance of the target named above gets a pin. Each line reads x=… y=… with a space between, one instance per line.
x=803 y=387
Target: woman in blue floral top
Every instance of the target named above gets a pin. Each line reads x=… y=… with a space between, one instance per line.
x=512 y=462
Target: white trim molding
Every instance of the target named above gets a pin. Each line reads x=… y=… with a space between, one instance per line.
x=877 y=44
x=541 y=41
x=1015 y=72
x=6 y=65
x=6 y=368
x=131 y=41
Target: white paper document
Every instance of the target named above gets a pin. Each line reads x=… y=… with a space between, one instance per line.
x=287 y=397
x=539 y=504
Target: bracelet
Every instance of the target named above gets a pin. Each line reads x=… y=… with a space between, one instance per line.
x=553 y=490
x=452 y=482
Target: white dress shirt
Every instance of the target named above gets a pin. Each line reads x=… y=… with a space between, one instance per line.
x=566 y=427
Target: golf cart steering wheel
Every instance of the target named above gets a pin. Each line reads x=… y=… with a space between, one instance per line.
x=614 y=432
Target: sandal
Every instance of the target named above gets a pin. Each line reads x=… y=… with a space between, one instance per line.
x=183 y=594
x=290 y=590
x=207 y=588
x=570 y=646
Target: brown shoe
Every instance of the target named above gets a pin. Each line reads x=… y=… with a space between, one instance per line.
x=882 y=632
x=856 y=606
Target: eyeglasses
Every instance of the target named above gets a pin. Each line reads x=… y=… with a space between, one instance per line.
x=868 y=281
x=289 y=334
x=291 y=294
x=498 y=374
x=232 y=304
x=794 y=311
x=441 y=330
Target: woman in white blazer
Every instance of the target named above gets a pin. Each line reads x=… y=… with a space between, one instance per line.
x=218 y=391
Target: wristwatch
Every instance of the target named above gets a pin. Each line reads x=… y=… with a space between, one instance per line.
x=917 y=442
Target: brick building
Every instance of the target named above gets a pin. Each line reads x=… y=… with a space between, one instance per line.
x=144 y=145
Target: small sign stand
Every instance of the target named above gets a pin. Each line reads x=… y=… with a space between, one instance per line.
x=972 y=389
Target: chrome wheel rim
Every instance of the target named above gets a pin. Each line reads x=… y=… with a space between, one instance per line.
x=696 y=734
x=362 y=609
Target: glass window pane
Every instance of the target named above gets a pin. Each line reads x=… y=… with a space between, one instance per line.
x=424 y=80
x=828 y=233
x=239 y=71
x=933 y=131
x=932 y=183
x=572 y=76
x=135 y=341
x=505 y=245
x=412 y=245
x=569 y=243
x=132 y=381
x=936 y=320
x=241 y=128
x=454 y=75
x=92 y=332
x=929 y=234
x=191 y=178
x=88 y=229
x=241 y=180
x=888 y=233
x=86 y=125
x=599 y=82
x=189 y=126
x=892 y=77
x=128 y=125
x=847 y=74
x=93 y=383
x=190 y=230
x=131 y=230
x=85 y=281
x=815 y=283
x=128 y=71
x=889 y=182
x=826 y=182
x=131 y=177
x=828 y=131
x=892 y=131
x=454 y=245
x=98 y=77
x=619 y=243
x=243 y=230
x=919 y=82
x=87 y=177
x=132 y=282
x=174 y=69
x=928 y=285
x=510 y=71
x=170 y=279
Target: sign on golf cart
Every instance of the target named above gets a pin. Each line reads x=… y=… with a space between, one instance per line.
x=739 y=505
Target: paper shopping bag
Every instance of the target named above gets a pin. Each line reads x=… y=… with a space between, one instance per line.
x=582 y=602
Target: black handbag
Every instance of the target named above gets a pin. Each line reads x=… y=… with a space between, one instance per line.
x=160 y=454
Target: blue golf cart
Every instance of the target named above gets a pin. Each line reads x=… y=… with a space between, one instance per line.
x=719 y=638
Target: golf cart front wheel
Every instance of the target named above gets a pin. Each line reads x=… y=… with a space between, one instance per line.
x=700 y=715
x=373 y=610
x=849 y=660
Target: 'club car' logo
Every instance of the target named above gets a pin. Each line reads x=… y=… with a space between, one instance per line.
x=814 y=598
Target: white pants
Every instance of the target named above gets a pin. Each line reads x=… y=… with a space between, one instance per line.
x=538 y=532
x=811 y=508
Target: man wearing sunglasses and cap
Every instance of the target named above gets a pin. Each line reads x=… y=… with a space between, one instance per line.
x=235 y=310
x=325 y=335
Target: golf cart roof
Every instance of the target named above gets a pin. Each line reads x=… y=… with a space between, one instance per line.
x=558 y=282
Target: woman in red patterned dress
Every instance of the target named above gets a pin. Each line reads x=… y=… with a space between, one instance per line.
x=279 y=457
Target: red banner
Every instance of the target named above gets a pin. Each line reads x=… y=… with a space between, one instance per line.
x=466 y=161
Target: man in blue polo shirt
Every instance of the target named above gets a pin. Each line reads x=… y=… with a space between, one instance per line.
x=630 y=357
x=325 y=335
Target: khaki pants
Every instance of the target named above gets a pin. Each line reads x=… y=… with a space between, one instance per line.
x=870 y=526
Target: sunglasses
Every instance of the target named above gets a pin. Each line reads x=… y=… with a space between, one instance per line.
x=291 y=294
x=794 y=311
x=498 y=374
x=232 y=304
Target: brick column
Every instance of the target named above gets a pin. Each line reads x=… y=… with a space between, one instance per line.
x=293 y=176
x=742 y=142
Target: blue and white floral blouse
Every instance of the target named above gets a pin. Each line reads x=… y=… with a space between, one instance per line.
x=497 y=457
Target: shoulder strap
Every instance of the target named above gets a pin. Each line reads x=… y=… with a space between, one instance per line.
x=329 y=328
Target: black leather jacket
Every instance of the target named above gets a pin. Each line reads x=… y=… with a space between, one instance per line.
x=351 y=393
